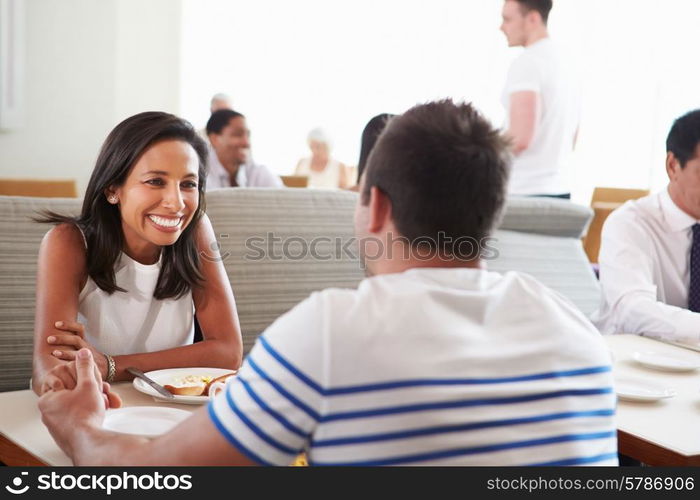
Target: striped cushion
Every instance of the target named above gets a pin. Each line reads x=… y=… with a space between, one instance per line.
x=559 y=263
x=287 y=222
x=549 y=216
x=19 y=247
x=297 y=222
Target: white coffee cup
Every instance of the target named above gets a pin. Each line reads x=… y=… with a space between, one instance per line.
x=216 y=388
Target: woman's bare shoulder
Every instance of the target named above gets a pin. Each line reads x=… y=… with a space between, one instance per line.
x=66 y=239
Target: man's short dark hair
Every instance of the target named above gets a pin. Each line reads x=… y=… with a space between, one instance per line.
x=219 y=119
x=684 y=137
x=445 y=169
x=541 y=6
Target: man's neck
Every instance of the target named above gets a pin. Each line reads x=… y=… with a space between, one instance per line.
x=396 y=266
x=677 y=200
x=231 y=166
x=536 y=36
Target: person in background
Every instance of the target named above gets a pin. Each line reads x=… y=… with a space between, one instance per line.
x=220 y=101
x=541 y=101
x=229 y=163
x=125 y=277
x=650 y=251
x=430 y=361
x=321 y=168
x=370 y=134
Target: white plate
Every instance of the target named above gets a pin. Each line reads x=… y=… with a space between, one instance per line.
x=170 y=375
x=637 y=389
x=149 y=421
x=676 y=362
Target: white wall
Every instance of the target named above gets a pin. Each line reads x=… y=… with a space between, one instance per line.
x=89 y=64
x=293 y=66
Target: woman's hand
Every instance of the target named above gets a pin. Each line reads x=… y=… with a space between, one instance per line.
x=63 y=376
x=67 y=345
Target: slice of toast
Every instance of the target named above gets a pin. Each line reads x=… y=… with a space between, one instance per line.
x=187 y=390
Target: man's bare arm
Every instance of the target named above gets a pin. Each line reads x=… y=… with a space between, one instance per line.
x=524 y=113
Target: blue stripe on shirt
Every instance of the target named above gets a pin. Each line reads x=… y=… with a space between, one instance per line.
x=398 y=384
x=274 y=414
x=298 y=373
x=288 y=395
x=575 y=461
x=437 y=455
x=232 y=440
x=257 y=430
x=428 y=431
x=446 y=405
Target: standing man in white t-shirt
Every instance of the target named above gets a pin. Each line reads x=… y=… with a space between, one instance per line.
x=541 y=101
x=432 y=360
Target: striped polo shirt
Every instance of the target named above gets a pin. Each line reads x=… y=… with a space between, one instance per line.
x=432 y=366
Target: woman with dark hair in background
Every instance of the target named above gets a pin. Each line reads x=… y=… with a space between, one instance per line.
x=125 y=277
x=370 y=134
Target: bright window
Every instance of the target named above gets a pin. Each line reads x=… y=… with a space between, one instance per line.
x=293 y=66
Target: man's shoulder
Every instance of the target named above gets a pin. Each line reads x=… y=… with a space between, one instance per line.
x=260 y=175
x=635 y=213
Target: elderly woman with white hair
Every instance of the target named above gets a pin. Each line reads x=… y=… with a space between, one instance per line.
x=321 y=168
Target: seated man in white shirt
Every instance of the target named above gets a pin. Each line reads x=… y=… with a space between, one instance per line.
x=648 y=255
x=432 y=360
x=228 y=163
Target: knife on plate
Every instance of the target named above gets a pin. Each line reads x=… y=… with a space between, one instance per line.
x=139 y=374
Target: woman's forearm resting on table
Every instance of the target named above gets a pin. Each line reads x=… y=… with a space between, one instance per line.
x=210 y=353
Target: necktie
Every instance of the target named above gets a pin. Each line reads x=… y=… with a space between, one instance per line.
x=694 y=288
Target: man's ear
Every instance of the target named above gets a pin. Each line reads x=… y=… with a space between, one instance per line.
x=213 y=139
x=673 y=166
x=534 y=18
x=379 y=208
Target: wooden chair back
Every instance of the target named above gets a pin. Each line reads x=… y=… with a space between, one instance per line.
x=39 y=188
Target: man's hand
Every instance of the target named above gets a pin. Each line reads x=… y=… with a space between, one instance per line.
x=68 y=411
x=67 y=345
x=63 y=376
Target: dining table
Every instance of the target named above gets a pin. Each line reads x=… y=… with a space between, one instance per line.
x=658 y=427
x=661 y=426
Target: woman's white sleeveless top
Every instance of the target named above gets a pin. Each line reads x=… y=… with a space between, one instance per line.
x=133 y=322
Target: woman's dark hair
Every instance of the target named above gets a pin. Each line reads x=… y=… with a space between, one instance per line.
x=444 y=168
x=100 y=221
x=370 y=134
x=684 y=137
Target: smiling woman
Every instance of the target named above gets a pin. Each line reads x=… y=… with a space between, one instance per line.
x=125 y=277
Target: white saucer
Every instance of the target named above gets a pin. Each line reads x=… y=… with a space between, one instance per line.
x=676 y=362
x=638 y=389
x=149 y=421
x=170 y=376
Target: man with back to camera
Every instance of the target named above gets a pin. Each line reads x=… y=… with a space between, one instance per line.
x=541 y=102
x=229 y=163
x=650 y=251
x=432 y=360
